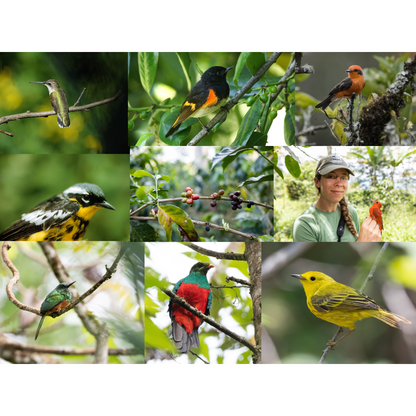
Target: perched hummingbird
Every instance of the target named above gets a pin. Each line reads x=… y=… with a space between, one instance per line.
x=58 y=101
x=56 y=300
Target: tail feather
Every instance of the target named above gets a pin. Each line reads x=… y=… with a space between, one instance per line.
x=325 y=103
x=183 y=340
x=391 y=319
x=39 y=326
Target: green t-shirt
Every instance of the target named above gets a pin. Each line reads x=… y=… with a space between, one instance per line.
x=315 y=225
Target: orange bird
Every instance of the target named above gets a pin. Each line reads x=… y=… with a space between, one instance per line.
x=375 y=213
x=353 y=83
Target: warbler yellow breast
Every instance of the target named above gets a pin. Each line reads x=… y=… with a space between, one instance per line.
x=340 y=304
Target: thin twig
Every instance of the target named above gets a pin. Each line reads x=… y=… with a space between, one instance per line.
x=363 y=287
x=219 y=227
x=28 y=114
x=216 y=254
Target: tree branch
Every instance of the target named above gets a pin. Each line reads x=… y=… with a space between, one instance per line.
x=253 y=255
x=91 y=323
x=216 y=254
x=378 y=112
x=28 y=114
x=180 y=301
x=234 y=101
x=219 y=227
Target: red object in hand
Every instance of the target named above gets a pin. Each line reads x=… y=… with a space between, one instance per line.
x=376 y=214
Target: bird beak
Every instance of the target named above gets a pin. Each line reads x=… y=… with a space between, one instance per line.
x=298 y=276
x=105 y=204
x=71 y=283
x=231 y=67
x=347 y=70
x=210 y=266
x=36 y=82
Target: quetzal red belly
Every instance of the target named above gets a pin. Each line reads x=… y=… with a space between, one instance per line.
x=196 y=297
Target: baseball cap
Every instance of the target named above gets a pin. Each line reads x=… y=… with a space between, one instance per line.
x=330 y=163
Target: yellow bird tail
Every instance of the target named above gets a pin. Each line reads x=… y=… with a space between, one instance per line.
x=391 y=319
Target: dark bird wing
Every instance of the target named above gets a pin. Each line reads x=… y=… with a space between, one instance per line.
x=51 y=213
x=342 y=86
x=348 y=300
x=51 y=301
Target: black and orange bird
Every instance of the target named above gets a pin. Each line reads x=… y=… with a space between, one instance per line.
x=354 y=83
x=205 y=97
x=64 y=217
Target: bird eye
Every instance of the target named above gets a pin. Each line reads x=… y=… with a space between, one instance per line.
x=313 y=278
x=86 y=198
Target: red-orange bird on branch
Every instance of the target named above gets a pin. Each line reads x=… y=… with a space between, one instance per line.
x=353 y=83
x=376 y=214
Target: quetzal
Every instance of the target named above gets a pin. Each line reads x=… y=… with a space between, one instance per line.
x=195 y=289
x=56 y=300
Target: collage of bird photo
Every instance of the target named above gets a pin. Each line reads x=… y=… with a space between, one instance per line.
x=168 y=208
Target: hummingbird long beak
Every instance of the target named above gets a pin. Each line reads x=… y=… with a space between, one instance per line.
x=36 y=82
x=71 y=283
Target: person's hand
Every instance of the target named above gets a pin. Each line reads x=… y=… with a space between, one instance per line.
x=369 y=231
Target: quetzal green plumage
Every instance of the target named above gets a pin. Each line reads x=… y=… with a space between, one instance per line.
x=195 y=289
x=56 y=300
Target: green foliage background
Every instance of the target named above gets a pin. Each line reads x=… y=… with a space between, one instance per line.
x=28 y=180
x=100 y=130
x=298 y=337
x=119 y=302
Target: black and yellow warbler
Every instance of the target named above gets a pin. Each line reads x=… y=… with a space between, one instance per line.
x=64 y=217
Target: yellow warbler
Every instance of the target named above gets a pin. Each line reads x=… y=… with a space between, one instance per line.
x=340 y=304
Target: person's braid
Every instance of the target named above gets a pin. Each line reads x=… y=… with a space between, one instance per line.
x=347 y=217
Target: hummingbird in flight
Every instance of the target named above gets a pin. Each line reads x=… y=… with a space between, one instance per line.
x=58 y=101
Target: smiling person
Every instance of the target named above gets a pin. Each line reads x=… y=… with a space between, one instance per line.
x=330 y=219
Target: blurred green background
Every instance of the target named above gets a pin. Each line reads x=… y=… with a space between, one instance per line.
x=28 y=180
x=292 y=334
x=102 y=129
x=119 y=302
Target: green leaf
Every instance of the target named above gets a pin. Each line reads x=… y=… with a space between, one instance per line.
x=292 y=166
x=239 y=67
x=156 y=338
x=305 y=100
x=265 y=113
x=255 y=61
x=142 y=191
x=142 y=231
x=289 y=126
x=257 y=179
x=143 y=138
x=147 y=69
x=198 y=257
x=169 y=215
x=166 y=122
x=248 y=124
x=185 y=61
x=141 y=173
x=279 y=172
x=228 y=155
